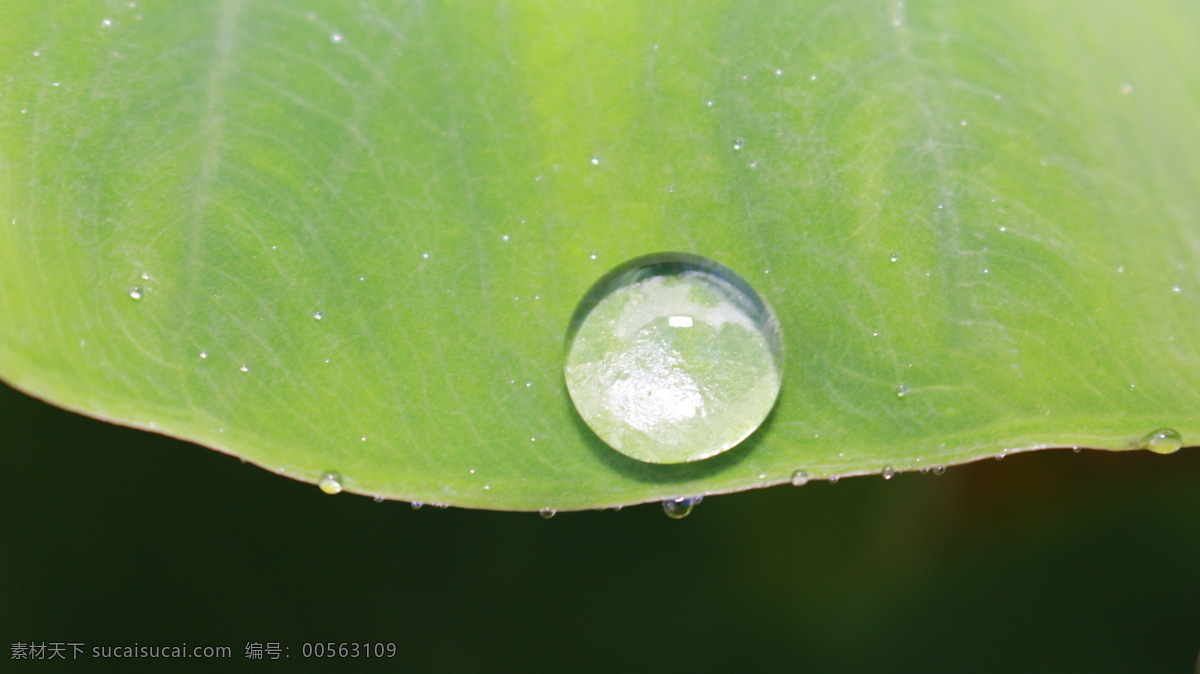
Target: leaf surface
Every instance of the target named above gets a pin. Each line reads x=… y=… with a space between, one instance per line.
x=356 y=233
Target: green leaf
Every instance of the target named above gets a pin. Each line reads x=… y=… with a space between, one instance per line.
x=350 y=238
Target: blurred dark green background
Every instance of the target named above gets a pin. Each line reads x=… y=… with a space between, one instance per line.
x=1050 y=561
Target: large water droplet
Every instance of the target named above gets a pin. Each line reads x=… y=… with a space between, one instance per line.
x=673 y=358
x=888 y=472
x=547 y=513
x=679 y=508
x=136 y=293
x=1164 y=441
x=331 y=483
x=799 y=478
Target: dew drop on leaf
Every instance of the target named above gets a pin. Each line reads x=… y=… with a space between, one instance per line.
x=1164 y=441
x=331 y=483
x=679 y=508
x=799 y=478
x=673 y=358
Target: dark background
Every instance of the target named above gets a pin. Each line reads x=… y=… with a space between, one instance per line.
x=1050 y=561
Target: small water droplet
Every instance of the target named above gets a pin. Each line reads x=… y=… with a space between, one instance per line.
x=504 y=238
x=378 y=498
x=1176 y=289
x=145 y=276
x=331 y=483
x=888 y=472
x=738 y=144
x=894 y=257
x=1125 y=89
x=708 y=104
x=244 y=368
x=1077 y=449
x=939 y=470
x=203 y=355
x=834 y=479
x=673 y=358
x=595 y=160
x=106 y=23
x=547 y=513
x=1003 y=453
x=425 y=256
x=799 y=478
x=594 y=256
x=318 y=315
x=901 y=390
x=1164 y=441
x=670 y=189
x=135 y=293
x=679 y=508
x=416 y=505
x=963 y=123
x=336 y=38
x=778 y=72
